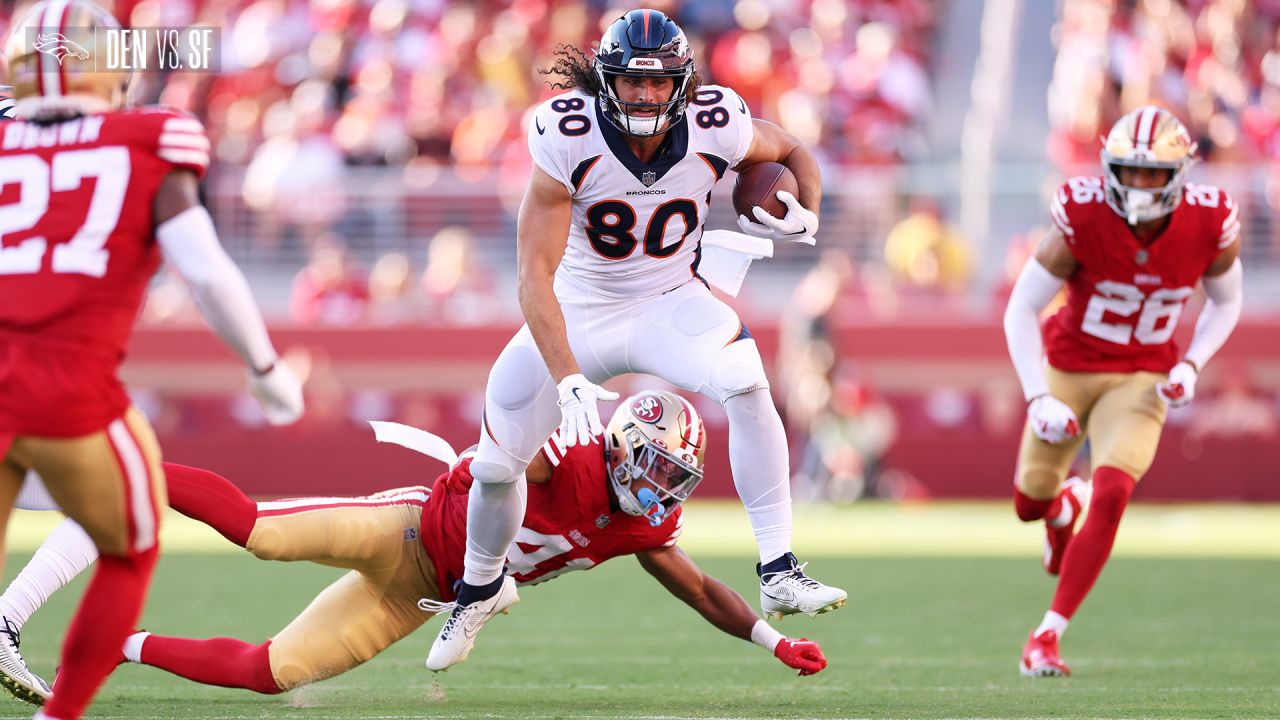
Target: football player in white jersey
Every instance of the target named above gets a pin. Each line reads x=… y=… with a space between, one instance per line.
x=608 y=243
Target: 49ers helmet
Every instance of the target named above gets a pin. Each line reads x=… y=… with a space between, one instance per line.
x=654 y=446
x=51 y=55
x=644 y=42
x=1149 y=137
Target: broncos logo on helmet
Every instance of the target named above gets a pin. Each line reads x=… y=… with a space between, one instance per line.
x=647 y=43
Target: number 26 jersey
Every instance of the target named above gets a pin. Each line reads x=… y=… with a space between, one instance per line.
x=637 y=227
x=1125 y=298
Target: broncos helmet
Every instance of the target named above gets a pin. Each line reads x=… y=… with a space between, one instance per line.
x=1149 y=137
x=654 y=448
x=50 y=53
x=644 y=42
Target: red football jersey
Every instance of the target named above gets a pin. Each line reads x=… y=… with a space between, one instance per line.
x=568 y=522
x=1125 y=298
x=77 y=249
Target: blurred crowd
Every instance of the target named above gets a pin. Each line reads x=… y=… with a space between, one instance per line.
x=1215 y=63
x=322 y=82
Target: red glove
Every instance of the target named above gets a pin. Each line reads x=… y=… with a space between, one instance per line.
x=801 y=654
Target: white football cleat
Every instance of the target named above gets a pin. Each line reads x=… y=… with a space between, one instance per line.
x=458 y=636
x=787 y=590
x=15 y=676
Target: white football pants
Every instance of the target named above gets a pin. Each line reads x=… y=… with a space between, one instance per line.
x=687 y=337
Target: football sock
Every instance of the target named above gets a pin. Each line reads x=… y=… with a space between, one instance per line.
x=781 y=564
x=758 y=457
x=468 y=594
x=225 y=662
x=1029 y=508
x=107 y=614
x=1088 y=552
x=213 y=500
x=1053 y=621
x=62 y=556
x=494 y=513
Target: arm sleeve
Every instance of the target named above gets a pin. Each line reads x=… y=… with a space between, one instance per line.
x=1035 y=288
x=190 y=244
x=1221 y=311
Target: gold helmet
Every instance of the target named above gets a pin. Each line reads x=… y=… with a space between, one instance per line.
x=654 y=446
x=52 y=54
x=1149 y=137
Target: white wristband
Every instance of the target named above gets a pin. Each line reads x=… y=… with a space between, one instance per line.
x=763 y=634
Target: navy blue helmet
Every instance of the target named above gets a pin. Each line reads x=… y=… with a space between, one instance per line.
x=644 y=42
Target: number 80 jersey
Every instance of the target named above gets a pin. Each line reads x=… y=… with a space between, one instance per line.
x=637 y=227
x=1125 y=298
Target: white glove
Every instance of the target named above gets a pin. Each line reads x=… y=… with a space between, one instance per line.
x=1181 y=387
x=278 y=392
x=798 y=225
x=580 y=420
x=1051 y=420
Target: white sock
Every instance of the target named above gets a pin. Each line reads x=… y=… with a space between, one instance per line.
x=761 y=473
x=1053 y=621
x=133 y=646
x=63 y=555
x=494 y=513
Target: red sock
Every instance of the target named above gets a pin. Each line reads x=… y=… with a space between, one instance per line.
x=225 y=662
x=1091 y=547
x=108 y=612
x=213 y=500
x=1028 y=508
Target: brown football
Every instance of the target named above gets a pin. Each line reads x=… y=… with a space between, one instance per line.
x=759 y=184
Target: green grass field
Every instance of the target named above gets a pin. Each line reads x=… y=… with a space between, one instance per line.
x=1185 y=623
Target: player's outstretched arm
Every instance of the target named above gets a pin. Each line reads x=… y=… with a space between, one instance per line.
x=190 y=244
x=770 y=143
x=1041 y=279
x=1224 y=299
x=724 y=608
x=542 y=232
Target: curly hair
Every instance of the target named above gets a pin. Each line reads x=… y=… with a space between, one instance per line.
x=578 y=71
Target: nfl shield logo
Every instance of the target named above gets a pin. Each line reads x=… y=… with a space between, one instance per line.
x=649 y=177
x=1141 y=257
x=602 y=521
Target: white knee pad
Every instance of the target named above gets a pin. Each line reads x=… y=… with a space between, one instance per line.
x=737 y=370
x=491 y=473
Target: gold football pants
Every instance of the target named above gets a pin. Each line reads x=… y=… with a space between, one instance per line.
x=1120 y=413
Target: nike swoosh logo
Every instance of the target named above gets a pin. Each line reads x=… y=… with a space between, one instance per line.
x=538 y=125
x=742 y=105
x=575 y=395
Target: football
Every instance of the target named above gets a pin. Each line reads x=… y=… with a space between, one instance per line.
x=759 y=184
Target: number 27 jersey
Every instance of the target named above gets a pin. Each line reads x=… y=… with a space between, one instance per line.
x=1125 y=297
x=637 y=227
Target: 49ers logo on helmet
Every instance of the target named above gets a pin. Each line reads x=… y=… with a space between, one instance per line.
x=647 y=408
